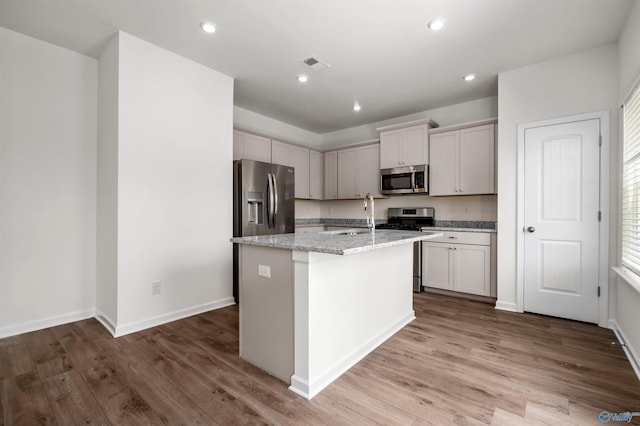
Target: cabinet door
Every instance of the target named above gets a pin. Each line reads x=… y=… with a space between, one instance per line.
x=414 y=146
x=472 y=269
x=368 y=170
x=443 y=167
x=251 y=147
x=347 y=173
x=280 y=153
x=296 y=157
x=477 y=157
x=437 y=265
x=331 y=175
x=316 y=175
x=390 y=149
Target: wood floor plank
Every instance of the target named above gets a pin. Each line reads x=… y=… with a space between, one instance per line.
x=160 y=394
x=25 y=402
x=15 y=358
x=71 y=400
x=212 y=397
x=460 y=362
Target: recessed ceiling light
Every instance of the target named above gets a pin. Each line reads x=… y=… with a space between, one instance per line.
x=469 y=77
x=208 y=27
x=356 y=107
x=303 y=78
x=436 y=24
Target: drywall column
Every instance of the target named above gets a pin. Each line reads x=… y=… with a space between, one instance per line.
x=173 y=179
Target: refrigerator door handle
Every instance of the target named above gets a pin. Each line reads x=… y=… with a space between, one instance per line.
x=270 y=201
x=275 y=198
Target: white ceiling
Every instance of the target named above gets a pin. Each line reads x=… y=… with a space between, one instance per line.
x=381 y=52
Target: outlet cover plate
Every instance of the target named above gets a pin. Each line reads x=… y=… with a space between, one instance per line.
x=264 y=271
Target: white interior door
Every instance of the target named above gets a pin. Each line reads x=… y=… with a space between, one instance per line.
x=561 y=220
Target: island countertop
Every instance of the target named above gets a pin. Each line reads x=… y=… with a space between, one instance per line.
x=340 y=242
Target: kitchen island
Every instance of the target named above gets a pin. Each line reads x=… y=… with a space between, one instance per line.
x=313 y=305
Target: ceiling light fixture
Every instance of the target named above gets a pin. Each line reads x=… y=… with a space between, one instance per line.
x=208 y=27
x=436 y=24
x=469 y=77
x=356 y=107
x=303 y=78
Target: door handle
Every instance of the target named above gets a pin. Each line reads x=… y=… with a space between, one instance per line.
x=270 y=202
x=531 y=229
x=275 y=197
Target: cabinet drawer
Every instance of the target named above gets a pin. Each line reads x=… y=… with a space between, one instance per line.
x=458 y=237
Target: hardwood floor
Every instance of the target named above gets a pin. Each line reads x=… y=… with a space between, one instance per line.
x=459 y=362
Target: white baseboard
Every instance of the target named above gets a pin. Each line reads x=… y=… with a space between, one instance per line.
x=310 y=388
x=106 y=322
x=506 y=306
x=40 y=324
x=626 y=347
x=132 y=327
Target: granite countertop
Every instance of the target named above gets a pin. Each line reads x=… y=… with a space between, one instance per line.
x=338 y=242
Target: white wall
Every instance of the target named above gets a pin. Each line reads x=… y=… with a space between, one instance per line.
x=574 y=84
x=624 y=298
x=174 y=178
x=628 y=48
x=47 y=184
x=478 y=109
x=253 y=122
x=452 y=114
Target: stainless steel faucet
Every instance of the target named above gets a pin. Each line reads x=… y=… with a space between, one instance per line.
x=368 y=205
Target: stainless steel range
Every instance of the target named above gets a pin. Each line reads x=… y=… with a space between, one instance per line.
x=411 y=219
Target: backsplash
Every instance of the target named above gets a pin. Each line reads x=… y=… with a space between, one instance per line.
x=477 y=224
x=467 y=224
x=472 y=208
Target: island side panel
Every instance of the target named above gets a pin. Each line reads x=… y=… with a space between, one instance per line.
x=346 y=306
x=266 y=310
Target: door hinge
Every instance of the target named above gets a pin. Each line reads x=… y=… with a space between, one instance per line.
x=599 y=140
x=598 y=291
x=599 y=215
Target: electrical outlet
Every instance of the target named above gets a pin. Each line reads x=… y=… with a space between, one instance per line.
x=156 y=287
x=264 y=271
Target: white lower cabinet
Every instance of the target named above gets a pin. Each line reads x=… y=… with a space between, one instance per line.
x=459 y=261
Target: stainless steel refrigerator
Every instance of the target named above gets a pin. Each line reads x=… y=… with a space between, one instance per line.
x=263 y=203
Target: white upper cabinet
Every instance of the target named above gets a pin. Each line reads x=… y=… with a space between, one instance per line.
x=296 y=157
x=251 y=147
x=316 y=175
x=359 y=171
x=331 y=175
x=405 y=144
x=462 y=160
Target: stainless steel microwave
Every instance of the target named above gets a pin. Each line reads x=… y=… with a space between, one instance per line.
x=405 y=180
